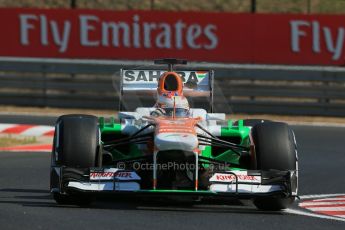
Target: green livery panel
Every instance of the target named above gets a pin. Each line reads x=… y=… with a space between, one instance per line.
x=235 y=134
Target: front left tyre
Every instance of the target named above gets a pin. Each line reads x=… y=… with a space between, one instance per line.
x=275 y=149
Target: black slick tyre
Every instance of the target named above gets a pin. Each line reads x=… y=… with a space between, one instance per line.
x=275 y=149
x=76 y=145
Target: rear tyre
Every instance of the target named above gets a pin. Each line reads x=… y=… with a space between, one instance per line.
x=275 y=149
x=76 y=145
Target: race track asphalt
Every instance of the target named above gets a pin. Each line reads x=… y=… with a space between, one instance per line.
x=25 y=202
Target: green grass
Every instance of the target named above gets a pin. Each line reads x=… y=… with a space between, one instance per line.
x=263 y=6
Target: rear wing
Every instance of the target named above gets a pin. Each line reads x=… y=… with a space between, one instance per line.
x=140 y=86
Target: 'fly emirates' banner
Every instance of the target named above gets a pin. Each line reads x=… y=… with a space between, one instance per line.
x=196 y=36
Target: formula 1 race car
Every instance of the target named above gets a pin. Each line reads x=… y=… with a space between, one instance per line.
x=170 y=149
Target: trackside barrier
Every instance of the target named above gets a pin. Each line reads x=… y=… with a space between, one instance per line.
x=271 y=89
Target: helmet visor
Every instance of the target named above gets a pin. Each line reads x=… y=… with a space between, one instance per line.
x=179 y=112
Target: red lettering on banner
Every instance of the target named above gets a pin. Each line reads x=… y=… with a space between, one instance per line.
x=197 y=36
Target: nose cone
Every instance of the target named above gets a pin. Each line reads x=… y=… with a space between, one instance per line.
x=176 y=141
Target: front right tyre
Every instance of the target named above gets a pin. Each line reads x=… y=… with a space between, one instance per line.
x=76 y=145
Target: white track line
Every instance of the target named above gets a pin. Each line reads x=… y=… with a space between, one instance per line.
x=306 y=197
x=332 y=199
x=320 y=203
x=304 y=213
x=327 y=208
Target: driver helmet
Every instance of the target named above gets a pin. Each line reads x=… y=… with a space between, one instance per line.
x=170 y=104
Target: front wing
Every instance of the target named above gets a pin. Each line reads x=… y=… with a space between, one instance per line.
x=242 y=184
